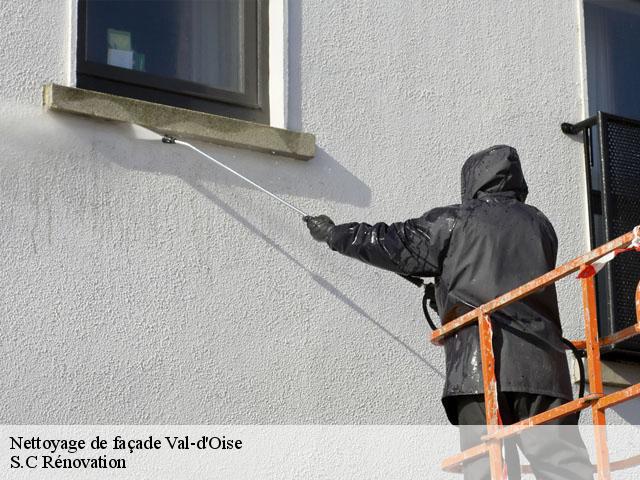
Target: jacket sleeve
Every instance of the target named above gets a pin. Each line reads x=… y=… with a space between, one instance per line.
x=414 y=247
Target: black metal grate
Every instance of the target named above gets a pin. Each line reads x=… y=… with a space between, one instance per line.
x=620 y=173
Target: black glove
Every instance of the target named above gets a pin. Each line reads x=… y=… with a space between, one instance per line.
x=320 y=227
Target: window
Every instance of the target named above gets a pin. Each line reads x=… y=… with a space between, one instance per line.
x=612 y=147
x=612 y=31
x=206 y=55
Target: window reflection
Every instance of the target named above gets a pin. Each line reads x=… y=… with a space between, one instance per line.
x=196 y=41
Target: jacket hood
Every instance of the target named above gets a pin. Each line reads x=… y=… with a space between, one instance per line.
x=494 y=170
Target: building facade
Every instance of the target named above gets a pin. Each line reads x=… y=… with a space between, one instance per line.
x=142 y=284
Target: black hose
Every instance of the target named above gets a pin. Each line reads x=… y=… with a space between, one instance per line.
x=428 y=299
x=579 y=354
x=429 y=295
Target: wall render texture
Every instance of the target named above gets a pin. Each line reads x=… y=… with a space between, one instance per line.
x=140 y=284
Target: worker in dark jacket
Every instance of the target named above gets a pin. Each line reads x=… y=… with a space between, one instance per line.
x=478 y=250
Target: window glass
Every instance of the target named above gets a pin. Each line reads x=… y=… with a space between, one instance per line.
x=613 y=42
x=195 y=41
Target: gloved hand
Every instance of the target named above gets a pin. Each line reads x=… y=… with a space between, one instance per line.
x=320 y=227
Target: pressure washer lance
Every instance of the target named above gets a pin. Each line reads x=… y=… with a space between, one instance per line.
x=169 y=139
x=146 y=134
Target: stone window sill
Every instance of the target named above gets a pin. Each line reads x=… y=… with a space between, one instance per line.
x=181 y=123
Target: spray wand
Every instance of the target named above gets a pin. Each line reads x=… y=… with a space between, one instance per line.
x=142 y=133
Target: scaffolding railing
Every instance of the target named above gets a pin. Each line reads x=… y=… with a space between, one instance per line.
x=596 y=399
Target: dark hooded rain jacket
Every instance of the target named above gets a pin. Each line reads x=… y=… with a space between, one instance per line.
x=478 y=250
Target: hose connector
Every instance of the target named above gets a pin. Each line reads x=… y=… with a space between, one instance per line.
x=168 y=139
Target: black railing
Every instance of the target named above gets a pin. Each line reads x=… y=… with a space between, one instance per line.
x=612 y=165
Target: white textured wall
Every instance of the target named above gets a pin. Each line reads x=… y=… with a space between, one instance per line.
x=140 y=284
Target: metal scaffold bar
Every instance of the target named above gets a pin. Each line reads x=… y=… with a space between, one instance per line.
x=591 y=344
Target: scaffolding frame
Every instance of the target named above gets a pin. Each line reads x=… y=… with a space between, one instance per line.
x=596 y=399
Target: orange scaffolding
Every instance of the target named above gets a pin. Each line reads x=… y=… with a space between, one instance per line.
x=596 y=399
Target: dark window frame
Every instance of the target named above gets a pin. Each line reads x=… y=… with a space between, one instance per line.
x=252 y=105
